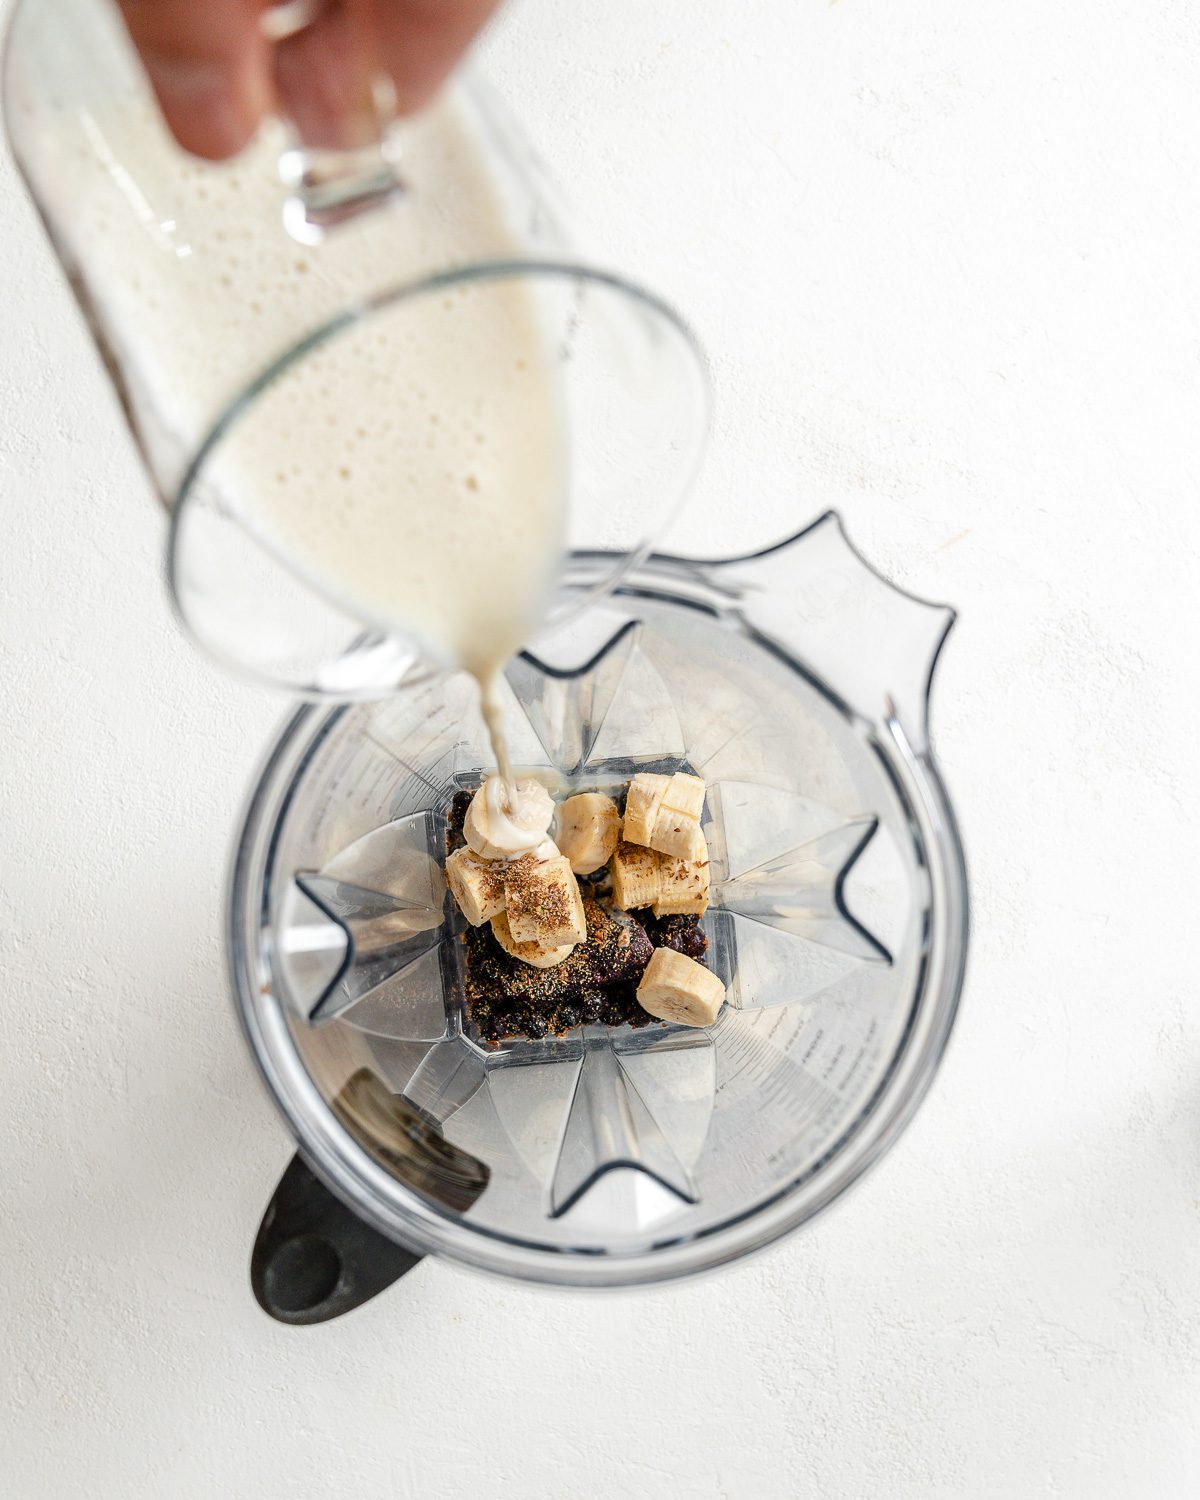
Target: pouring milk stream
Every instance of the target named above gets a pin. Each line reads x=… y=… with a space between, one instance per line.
x=413 y=467
x=450 y=528
x=451 y=534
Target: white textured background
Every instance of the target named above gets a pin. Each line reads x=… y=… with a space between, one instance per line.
x=945 y=257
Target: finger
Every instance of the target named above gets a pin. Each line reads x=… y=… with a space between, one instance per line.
x=324 y=75
x=421 y=40
x=208 y=65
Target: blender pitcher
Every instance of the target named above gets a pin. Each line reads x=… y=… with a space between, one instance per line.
x=796 y=683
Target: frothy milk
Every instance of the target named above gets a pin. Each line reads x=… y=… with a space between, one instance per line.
x=413 y=469
x=412 y=464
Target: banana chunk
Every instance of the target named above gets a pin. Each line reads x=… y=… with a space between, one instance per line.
x=589 y=826
x=677 y=819
x=636 y=876
x=646 y=792
x=497 y=827
x=683 y=883
x=476 y=884
x=543 y=903
x=536 y=955
x=677 y=988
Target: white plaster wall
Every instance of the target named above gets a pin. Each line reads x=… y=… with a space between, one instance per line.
x=945 y=258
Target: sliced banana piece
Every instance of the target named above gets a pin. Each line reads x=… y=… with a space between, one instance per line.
x=536 y=955
x=543 y=902
x=476 y=884
x=642 y=801
x=677 y=819
x=683 y=883
x=589 y=826
x=636 y=876
x=677 y=988
x=497 y=827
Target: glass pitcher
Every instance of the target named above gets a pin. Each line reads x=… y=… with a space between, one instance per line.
x=298 y=326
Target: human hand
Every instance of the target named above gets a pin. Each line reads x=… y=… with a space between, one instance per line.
x=217 y=70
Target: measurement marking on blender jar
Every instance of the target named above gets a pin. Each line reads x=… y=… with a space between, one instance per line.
x=408 y=766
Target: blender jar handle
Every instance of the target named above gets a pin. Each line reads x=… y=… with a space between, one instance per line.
x=314 y=1258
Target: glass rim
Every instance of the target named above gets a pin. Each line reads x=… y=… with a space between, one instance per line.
x=350 y=317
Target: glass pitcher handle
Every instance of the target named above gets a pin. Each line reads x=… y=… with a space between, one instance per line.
x=329 y=187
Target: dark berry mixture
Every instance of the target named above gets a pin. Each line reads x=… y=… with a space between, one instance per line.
x=598 y=982
x=456 y=816
x=683 y=933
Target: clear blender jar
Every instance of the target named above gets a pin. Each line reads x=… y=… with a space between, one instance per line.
x=796 y=683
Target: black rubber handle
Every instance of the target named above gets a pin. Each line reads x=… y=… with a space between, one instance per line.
x=314 y=1258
